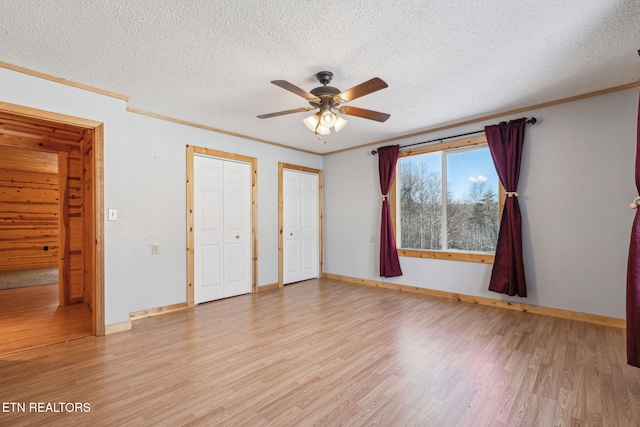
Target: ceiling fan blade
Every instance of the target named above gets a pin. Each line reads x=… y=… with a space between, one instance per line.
x=295 y=89
x=370 y=86
x=365 y=114
x=282 y=113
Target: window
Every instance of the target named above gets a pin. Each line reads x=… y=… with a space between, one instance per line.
x=448 y=201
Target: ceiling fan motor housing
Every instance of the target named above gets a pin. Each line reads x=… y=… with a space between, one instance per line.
x=324 y=77
x=326 y=94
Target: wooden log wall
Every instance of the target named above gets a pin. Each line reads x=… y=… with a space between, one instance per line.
x=29 y=208
x=65 y=142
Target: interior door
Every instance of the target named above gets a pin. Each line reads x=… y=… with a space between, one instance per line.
x=300 y=226
x=222 y=235
x=237 y=229
x=207 y=215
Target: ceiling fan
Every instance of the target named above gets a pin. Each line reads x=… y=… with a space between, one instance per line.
x=327 y=98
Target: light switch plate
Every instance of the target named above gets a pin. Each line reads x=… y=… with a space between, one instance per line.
x=113 y=214
x=155 y=249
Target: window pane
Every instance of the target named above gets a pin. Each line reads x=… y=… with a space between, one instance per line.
x=421 y=202
x=472 y=200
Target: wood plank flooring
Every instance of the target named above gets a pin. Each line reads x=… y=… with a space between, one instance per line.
x=30 y=317
x=330 y=353
x=28 y=298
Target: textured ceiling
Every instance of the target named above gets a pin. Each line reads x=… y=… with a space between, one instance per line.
x=211 y=62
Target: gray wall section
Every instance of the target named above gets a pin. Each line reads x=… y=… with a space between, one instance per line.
x=575 y=187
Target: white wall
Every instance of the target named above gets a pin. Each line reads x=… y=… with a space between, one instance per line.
x=145 y=179
x=29 y=91
x=155 y=205
x=576 y=184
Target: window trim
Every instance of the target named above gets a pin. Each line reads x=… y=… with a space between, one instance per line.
x=487 y=258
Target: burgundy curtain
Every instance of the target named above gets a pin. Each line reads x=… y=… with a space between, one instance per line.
x=389 y=262
x=633 y=274
x=505 y=143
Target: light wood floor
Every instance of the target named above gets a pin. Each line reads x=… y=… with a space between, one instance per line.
x=30 y=317
x=326 y=353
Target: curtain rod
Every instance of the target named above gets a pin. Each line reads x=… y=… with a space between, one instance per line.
x=531 y=121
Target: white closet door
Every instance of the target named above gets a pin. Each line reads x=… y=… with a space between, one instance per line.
x=300 y=226
x=208 y=215
x=222 y=235
x=291 y=227
x=237 y=229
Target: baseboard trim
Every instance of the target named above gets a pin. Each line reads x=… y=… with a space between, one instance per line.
x=270 y=287
x=527 y=308
x=157 y=311
x=117 y=327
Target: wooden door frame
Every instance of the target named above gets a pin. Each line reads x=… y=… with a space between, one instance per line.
x=281 y=167
x=63 y=227
x=191 y=152
x=97 y=127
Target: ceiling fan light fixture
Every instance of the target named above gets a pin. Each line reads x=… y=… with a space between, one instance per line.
x=328 y=119
x=322 y=122
x=322 y=130
x=340 y=123
x=312 y=122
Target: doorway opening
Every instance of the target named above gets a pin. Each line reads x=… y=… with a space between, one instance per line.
x=51 y=250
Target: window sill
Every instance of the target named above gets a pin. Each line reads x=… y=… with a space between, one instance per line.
x=453 y=256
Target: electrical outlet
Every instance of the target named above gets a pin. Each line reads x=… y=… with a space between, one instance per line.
x=113 y=214
x=155 y=249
